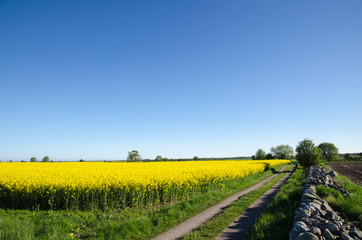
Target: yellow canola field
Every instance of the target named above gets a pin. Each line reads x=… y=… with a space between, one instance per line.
x=115 y=184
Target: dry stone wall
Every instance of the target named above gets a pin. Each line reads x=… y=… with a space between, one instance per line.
x=314 y=218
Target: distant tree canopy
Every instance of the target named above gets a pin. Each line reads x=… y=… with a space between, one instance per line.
x=159 y=158
x=329 y=151
x=307 y=154
x=33 y=159
x=134 y=156
x=45 y=159
x=260 y=154
x=195 y=158
x=269 y=156
x=282 y=152
x=352 y=157
x=348 y=156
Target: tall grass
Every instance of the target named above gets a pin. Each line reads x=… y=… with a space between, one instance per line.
x=350 y=206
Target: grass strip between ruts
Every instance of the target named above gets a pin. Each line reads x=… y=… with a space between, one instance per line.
x=216 y=225
x=277 y=219
x=130 y=223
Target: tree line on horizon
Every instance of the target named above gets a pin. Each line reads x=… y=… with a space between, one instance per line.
x=328 y=151
x=45 y=159
x=307 y=153
x=306 y=149
x=134 y=156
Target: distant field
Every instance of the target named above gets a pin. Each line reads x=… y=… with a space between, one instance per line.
x=87 y=185
x=352 y=170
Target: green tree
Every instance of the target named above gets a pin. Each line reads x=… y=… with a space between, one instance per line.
x=159 y=158
x=348 y=157
x=134 y=156
x=307 y=153
x=329 y=151
x=195 y=158
x=45 y=159
x=260 y=154
x=269 y=156
x=282 y=152
x=33 y=159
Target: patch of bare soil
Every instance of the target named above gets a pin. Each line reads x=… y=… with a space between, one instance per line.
x=352 y=170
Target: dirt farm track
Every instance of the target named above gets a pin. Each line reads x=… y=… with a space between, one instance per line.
x=352 y=170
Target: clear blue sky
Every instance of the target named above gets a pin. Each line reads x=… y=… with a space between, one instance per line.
x=96 y=79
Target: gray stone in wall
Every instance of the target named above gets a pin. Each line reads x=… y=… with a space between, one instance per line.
x=314 y=218
x=328 y=235
x=316 y=231
x=354 y=232
x=302 y=214
x=346 y=237
x=325 y=206
x=316 y=205
x=301 y=227
x=331 y=215
x=306 y=236
x=330 y=227
x=311 y=222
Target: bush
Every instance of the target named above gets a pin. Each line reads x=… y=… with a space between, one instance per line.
x=267 y=166
x=307 y=153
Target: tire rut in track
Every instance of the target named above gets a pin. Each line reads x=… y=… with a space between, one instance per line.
x=194 y=222
x=241 y=225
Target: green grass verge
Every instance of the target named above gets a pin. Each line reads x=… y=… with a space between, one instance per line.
x=350 y=206
x=277 y=219
x=129 y=223
x=216 y=225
